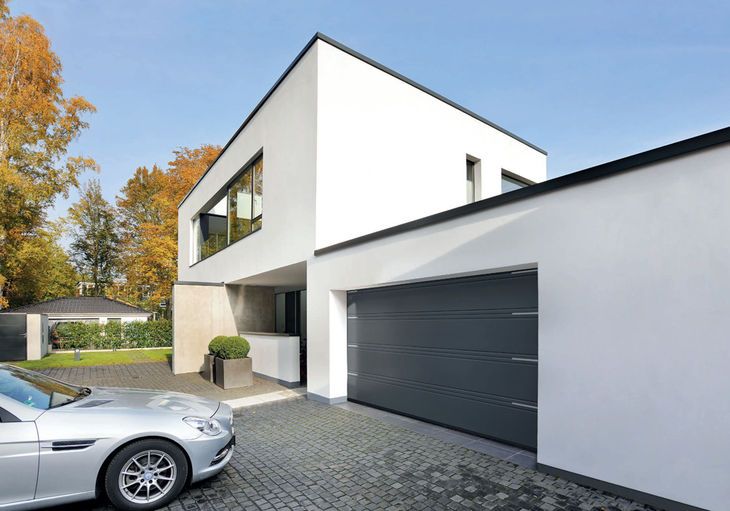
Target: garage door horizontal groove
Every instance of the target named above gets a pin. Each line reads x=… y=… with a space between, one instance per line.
x=442 y=352
x=456 y=314
x=481 y=397
x=450 y=282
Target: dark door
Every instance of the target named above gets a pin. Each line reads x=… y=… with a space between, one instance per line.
x=458 y=352
x=12 y=337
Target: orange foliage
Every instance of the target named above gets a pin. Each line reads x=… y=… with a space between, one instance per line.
x=148 y=205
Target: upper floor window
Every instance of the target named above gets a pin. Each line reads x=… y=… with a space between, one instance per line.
x=511 y=181
x=472 y=180
x=235 y=215
x=245 y=196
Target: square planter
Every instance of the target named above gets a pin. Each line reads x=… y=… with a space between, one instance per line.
x=209 y=368
x=231 y=374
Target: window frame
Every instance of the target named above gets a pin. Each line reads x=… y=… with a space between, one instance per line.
x=516 y=179
x=474 y=165
x=224 y=193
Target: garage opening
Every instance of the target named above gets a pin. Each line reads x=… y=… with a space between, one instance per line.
x=459 y=352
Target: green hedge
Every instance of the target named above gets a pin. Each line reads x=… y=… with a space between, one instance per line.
x=229 y=348
x=135 y=334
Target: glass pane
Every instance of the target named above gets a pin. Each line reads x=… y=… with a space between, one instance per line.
x=509 y=184
x=258 y=187
x=239 y=207
x=470 y=185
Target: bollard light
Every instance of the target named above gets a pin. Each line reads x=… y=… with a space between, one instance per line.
x=77 y=354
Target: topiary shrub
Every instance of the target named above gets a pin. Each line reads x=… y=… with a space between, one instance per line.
x=229 y=348
x=215 y=344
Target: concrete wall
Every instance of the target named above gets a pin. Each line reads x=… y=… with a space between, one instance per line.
x=36 y=336
x=253 y=307
x=633 y=277
x=199 y=313
x=388 y=153
x=285 y=128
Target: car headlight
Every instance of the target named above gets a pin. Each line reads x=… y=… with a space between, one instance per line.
x=210 y=427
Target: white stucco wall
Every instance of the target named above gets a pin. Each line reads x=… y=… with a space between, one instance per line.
x=633 y=277
x=36 y=336
x=276 y=356
x=356 y=140
x=285 y=128
x=388 y=152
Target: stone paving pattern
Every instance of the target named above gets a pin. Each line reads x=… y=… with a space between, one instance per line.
x=157 y=376
x=302 y=455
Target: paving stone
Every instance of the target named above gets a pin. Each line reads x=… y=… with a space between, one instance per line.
x=303 y=455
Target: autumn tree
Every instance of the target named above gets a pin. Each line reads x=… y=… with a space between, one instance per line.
x=42 y=269
x=148 y=208
x=37 y=124
x=95 y=237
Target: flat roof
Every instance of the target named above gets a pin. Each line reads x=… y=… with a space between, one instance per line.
x=321 y=37
x=609 y=169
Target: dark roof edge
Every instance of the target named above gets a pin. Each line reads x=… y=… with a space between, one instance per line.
x=608 y=169
x=367 y=60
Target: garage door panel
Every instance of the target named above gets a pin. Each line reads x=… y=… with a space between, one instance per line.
x=494 y=419
x=459 y=352
x=508 y=334
x=503 y=377
x=502 y=292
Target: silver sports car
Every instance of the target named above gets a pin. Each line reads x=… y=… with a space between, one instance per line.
x=62 y=443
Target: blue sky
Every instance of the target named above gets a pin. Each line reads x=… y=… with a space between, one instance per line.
x=589 y=81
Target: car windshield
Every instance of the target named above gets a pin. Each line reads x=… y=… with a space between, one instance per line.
x=37 y=390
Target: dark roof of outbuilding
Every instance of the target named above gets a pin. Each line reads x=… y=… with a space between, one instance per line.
x=79 y=305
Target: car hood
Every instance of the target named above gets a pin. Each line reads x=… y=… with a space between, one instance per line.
x=149 y=400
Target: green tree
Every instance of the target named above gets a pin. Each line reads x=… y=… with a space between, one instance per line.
x=37 y=124
x=41 y=270
x=95 y=238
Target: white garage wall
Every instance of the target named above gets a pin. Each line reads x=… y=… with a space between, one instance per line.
x=634 y=272
x=388 y=152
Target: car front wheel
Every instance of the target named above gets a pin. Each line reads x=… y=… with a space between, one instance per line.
x=146 y=474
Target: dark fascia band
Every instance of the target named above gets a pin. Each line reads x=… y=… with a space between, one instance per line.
x=621 y=491
x=604 y=170
x=321 y=37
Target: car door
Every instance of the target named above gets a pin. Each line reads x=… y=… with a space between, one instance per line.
x=19 y=451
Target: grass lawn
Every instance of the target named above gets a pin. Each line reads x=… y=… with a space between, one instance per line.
x=104 y=358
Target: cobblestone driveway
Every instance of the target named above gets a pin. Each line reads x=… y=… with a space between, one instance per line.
x=302 y=455
x=158 y=376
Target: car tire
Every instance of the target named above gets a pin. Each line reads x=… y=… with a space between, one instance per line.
x=146 y=474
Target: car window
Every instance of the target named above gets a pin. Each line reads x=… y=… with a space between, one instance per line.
x=34 y=389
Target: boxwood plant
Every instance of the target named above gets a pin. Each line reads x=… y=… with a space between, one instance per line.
x=229 y=347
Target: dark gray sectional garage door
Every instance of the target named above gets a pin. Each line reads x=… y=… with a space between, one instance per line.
x=459 y=352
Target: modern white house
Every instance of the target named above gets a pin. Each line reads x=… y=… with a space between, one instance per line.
x=414 y=255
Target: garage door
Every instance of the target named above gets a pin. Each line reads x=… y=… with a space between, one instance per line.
x=459 y=352
x=12 y=337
